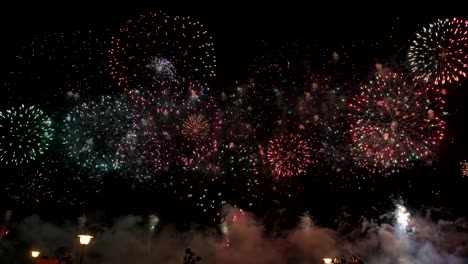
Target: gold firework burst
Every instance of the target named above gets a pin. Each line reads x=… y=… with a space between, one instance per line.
x=464 y=168
x=195 y=127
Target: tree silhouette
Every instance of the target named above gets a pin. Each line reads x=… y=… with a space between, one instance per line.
x=190 y=257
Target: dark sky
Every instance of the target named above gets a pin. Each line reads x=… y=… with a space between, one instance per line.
x=236 y=26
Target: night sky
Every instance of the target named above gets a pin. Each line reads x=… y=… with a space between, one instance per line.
x=238 y=32
x=255 y=118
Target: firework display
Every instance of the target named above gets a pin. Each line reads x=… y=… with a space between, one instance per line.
x=195 y=127
x=138 y=108
x=439 y=52
x=464 y=168
x=150 y=148
x=288 y=155
x=93 y=131
x=242 y=151
x=156 y=44
x=394 y=124
x=145 y=156
x=26 y=133
x=162 y=67
x=200 y=130
x=36 y=185
x=322 y=117
x=64 y=64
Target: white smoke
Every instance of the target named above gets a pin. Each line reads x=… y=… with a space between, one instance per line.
x=127 y=240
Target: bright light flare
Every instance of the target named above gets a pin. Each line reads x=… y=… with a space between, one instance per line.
x=402 y=217
x=85 y=239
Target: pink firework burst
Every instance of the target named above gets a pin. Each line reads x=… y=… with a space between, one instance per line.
x=394 y=124
x=288 y=155
x=155 y=46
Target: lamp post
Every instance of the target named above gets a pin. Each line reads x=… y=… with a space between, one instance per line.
x=84 y=240
x=327 y=260
x=34 y=255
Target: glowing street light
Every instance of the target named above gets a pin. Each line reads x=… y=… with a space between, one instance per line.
x=84 y=240
x=327 y=260
x=34 y=255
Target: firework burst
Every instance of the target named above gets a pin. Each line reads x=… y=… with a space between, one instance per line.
x=158 y=143
x=200 y=130
x=94 y=130
x=288 y=155
x=394 y=124
x=155 y=43
x=439 y=54
x=464 y=168
x=32 y=186
x=195 y=127
x=26 y=133
x=144 y=156
x=162 y=67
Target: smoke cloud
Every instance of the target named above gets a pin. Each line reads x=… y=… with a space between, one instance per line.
x=241 y=238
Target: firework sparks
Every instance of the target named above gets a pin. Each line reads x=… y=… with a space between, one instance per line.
x=168 y=132
x=288 y=155
x=402 y=217
x=439 y=52
x=62 y=64
x=243 y=166
x=32 y=186
x=195 y=127
x=200 y=134
x=26 y=133
x=394 y=124
x=143 y=156
x=94 y=130
x=464 y=168
x=159 y=43
x=161 y=66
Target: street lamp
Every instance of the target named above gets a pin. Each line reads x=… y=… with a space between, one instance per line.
x=84 y=240
x=34 y=255
x=327 y=260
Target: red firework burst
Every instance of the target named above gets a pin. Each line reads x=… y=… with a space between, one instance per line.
x=438 y=54
x=288 y=155
x=154 y=45
x=395 y=124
